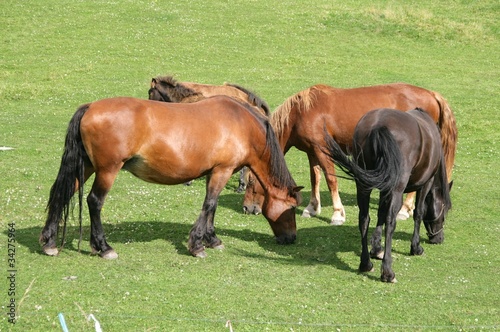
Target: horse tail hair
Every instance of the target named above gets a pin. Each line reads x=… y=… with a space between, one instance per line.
x=386 y=172
x=253 y=99
x=448 y=129
x=69 y=178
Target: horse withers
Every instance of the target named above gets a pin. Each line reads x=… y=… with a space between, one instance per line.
x=396 y=152
x=168 y=89
x=169 y=143
x=299 y=122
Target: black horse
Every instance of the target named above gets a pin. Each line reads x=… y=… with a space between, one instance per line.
x=396 y=152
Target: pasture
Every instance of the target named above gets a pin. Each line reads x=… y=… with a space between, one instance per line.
x=57 y=55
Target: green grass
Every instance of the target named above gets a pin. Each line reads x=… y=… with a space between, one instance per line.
x=56 y=55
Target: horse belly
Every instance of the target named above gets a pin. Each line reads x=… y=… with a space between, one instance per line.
x=178 y=164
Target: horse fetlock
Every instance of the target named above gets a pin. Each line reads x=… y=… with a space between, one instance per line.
x=366 y=266
x=311 y=211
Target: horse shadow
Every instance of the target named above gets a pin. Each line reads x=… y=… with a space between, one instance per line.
x=319 y=245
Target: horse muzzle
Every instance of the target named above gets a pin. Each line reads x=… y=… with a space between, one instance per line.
x=252 y=209
x=286 y=239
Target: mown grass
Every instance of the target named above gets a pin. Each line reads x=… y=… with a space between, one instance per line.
x=57 y=55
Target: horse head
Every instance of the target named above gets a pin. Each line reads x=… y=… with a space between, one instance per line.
x=280 y=213
x=437 y=204
x=158 y=92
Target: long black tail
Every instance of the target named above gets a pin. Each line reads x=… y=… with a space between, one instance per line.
x=71 y=170
x=387 y=159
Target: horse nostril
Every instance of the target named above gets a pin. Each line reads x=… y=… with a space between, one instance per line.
x=245 y=210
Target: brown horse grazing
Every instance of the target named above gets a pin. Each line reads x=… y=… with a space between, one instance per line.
x=170 y=144
x=300 y=119
x=396 y=152
x=167 y=89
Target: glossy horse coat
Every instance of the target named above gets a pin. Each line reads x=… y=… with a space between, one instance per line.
x=300 y=120
x=167 y=89
x=396 y=152
x=170 y=144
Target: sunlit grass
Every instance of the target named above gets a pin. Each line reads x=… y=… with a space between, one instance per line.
x=59 y=55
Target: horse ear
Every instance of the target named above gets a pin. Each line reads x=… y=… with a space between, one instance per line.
x=153 y=82
x=297 y=189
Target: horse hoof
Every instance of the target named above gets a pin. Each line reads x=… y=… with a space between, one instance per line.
x=306 y=214
x=219 y=247
x=337 y=222
x=402 y=215
x=201 y=254
x=51 y=251
x=110 y=254
x=309 y=212
x=378 y=255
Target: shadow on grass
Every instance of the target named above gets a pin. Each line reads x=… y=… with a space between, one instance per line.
x=321 y=245
x=234 y=201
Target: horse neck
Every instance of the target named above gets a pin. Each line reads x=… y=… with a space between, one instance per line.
x=280 y=121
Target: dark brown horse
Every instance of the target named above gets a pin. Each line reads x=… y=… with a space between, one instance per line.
x=169 y=143
x=396 y=152
x=167 y=89
x=299 y=122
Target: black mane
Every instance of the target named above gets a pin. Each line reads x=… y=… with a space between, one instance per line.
x=253 y=98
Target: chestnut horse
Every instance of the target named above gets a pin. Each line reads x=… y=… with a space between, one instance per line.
x=396 y=152
x=169 y=143
x=300 y=119
x=167 y=89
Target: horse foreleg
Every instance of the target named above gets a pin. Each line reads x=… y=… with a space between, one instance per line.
x=363 y=198
x=314 y=206
x=388 y=209
x=203 y=230
x=243 y=181
x=407 y=208
x=416 y=248
x=95 y=200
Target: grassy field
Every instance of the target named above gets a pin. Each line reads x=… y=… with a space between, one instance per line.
x=56 y=55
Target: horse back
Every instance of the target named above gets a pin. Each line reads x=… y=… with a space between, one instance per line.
x=215 y=130
x=339 y=110
x=416 y=136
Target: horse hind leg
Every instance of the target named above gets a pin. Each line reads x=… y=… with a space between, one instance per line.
x=338 y=217
x=50 y=231
x=388 y=209
x=363 y=199
x=314 y=207
x=95 y=200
